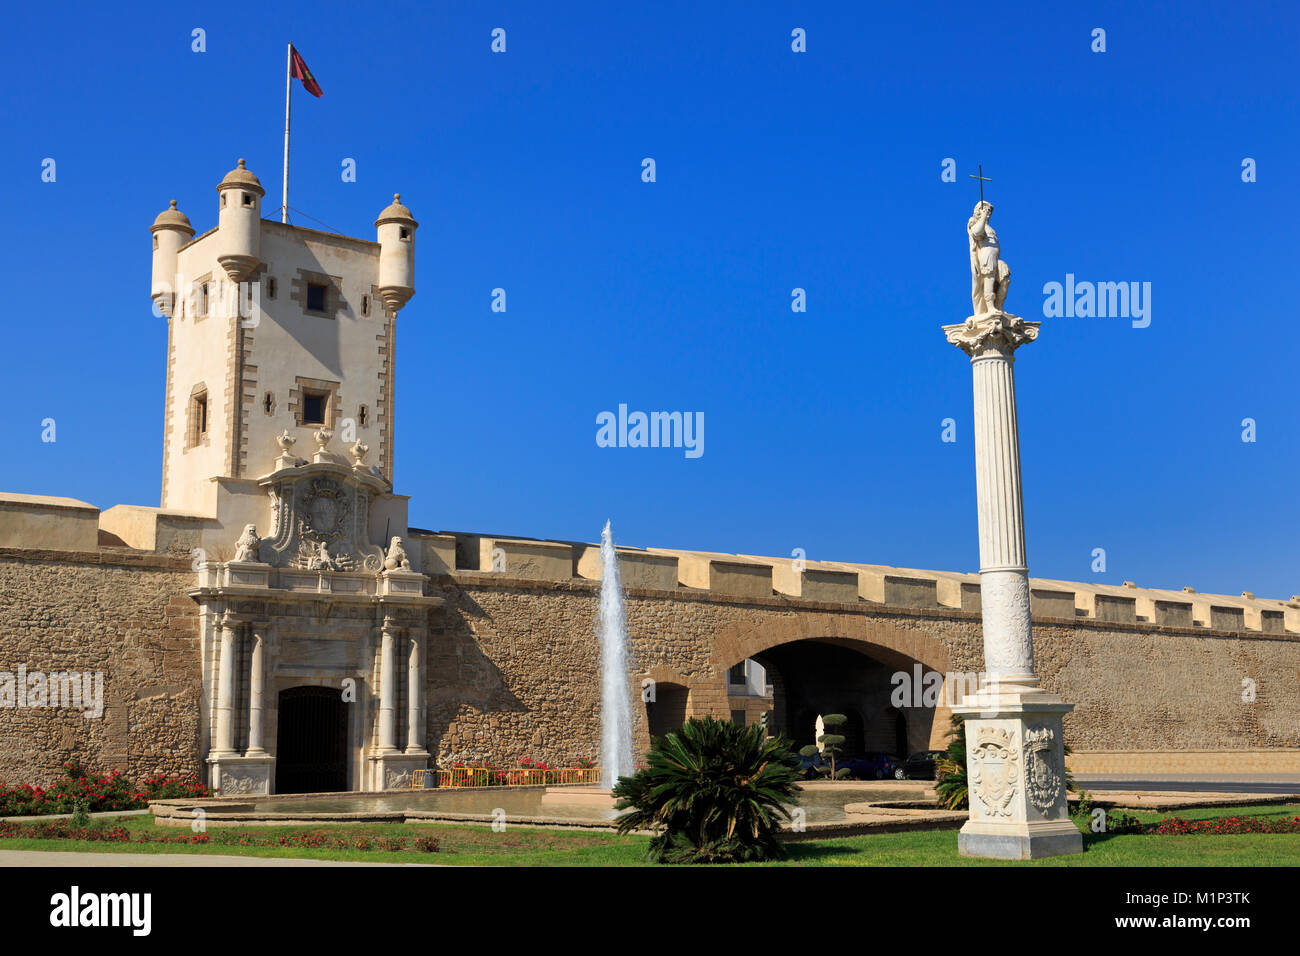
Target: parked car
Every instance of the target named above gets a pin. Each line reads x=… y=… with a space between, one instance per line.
x=873 y=765
x=819 y=767
x=919 y=766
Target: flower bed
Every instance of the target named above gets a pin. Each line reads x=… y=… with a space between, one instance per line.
x=94 y=793
x=1219 y=826
x=63 y=830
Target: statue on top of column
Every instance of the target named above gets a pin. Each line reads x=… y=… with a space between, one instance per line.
x=989 y=274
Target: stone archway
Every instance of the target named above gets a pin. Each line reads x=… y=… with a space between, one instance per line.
x=832 y=642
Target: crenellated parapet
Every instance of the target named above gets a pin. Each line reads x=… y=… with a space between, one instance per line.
x=741 y=576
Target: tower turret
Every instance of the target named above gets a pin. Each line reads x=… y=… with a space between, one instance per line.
x=396 y=228
x=240 y=223
x=171 y=230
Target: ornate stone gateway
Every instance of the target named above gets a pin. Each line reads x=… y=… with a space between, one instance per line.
x=312 y=638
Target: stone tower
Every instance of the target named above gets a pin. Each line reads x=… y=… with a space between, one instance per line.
x=279 y=417
x=274 y=330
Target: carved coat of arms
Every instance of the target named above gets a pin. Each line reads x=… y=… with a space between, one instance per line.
x=994 y=771
x=1042 y=776
x=320 y=522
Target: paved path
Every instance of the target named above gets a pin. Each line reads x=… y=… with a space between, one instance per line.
x=62 y=858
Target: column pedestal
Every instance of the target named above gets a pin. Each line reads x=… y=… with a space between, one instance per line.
x=235 y=775
x=394 y=771
x=1015 y=772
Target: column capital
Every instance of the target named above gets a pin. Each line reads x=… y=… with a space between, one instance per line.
x=998 y=332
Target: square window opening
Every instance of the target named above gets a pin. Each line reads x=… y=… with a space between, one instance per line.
x=315 y=297
x=314 y=406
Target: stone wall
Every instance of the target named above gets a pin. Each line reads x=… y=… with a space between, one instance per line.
x=125 y=615
x=512 y=666
x=516 y=673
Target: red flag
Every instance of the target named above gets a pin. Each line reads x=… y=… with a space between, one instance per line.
x=301 y=72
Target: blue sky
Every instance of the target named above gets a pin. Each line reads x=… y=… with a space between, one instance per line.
x=775 y=170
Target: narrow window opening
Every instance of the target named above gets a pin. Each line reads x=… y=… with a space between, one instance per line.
x=363 y=416
x=197 y=429
x=365 y=305
x=270 y=287
x=268 y=403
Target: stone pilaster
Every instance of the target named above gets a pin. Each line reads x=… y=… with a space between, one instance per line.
x=1015 y=760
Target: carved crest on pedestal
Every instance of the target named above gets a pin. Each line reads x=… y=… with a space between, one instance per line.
x=994 y=770
x=1042 y=774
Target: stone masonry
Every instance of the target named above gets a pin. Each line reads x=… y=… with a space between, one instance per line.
x=512 y=667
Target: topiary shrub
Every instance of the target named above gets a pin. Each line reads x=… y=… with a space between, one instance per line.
x=829 y=745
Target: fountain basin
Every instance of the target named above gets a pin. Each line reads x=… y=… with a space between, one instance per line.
x=579 y=796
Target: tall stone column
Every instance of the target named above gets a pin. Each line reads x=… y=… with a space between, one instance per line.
x=388 y=687
x=226 y=687
x=1015 y=762
x=256 y=692
x=1004 y=569
x=414 y=696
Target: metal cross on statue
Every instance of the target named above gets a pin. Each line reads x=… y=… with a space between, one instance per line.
x=982 y=178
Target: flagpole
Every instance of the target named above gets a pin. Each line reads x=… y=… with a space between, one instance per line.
x=288 y=89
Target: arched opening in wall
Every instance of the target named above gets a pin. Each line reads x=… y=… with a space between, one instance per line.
x=819 y=676
x=667 y=710
x=311 y=752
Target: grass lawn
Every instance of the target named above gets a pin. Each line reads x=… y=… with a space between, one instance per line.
x=520 y=846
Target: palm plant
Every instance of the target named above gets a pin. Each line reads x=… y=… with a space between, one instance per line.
x=713 y=792
x=950 y=769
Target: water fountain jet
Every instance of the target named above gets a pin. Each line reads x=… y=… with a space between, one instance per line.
x=615 y=700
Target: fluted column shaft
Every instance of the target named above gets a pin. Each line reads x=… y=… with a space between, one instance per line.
x=388 y=688
x=991 y=340
x=226 y=687
x=1004 y=570
x=256 y=692
x=414 y=695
